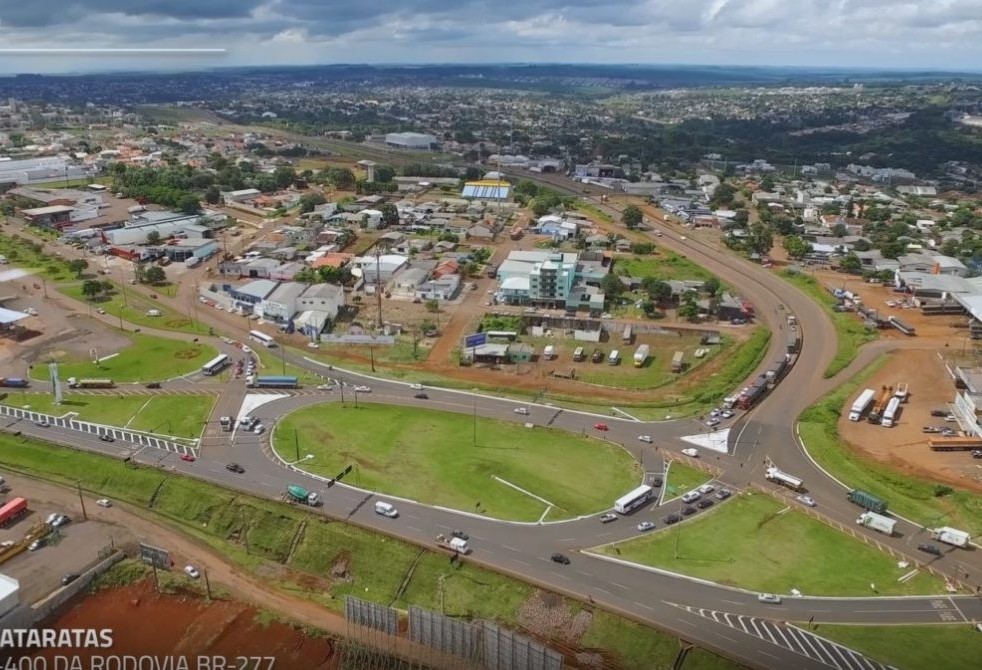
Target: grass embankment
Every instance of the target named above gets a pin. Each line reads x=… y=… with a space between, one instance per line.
x=147 y=359
x=331 y=558
x=662 y=265
x=914 y=498
x=851 y=332
x=431 y=456
x=682 y=477
x=271 y=363
x=133 y=308
x=749 y=542
x=24 y=252
x=913 y=647
x=177 y=416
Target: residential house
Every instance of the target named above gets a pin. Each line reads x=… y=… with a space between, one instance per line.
x=444 y=288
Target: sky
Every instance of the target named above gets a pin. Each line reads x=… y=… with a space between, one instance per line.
x=923 y=34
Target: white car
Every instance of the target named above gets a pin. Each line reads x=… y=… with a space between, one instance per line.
x=645 y=525
x=715 y=412
x=416 y=387
x=191 y=571
x=726 y=414
x=808 y=501
x=769 y=598
x=52 y=518
x=645 y=438
x=521 y=410
x=706 y=488
x=363 y=389
x=104 y=502
x=245 y=421
x=325 y=387
x=691 y=452
x=713 y=422
x=690 y=497
x=258 y=430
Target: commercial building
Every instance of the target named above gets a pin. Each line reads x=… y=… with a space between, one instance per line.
x=281 y=304
x=35 y=170
x=228 y=197
x=165 y=224
x=417 y=141
x=552 y=279
x=486 y=189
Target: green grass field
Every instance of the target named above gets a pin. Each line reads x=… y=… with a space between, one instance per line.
x=134 y=306
x=953 y=647
x=663 y=264
x=851 y=332
x=256 y=534
x=25 y=253
x=178 y=416
x=682 y=477
x=430 y=456
x=147 y=359
x=750 y=543
x=657 y=370
x=911 y=497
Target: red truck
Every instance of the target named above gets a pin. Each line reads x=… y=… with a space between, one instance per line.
x=12 y=510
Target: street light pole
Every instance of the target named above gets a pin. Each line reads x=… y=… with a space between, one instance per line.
x=475 y=421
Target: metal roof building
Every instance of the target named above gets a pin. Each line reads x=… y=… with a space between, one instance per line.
x=486 y=189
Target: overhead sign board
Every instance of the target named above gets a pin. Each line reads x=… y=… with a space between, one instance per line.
x=476 y=340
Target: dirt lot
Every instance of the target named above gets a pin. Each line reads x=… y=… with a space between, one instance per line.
x=147 y=623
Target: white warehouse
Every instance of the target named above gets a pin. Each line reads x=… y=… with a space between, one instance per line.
x=418 y=141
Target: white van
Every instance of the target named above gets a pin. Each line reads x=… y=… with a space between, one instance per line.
x=386 y=509
x=154 y=312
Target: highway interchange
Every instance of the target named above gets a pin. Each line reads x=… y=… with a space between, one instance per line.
x=687 y=608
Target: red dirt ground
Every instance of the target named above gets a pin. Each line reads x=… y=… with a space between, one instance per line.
x=147 y=623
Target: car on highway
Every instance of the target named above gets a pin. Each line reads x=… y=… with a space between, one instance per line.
x=191 y=571
x=706 y=489
x=671 y=518
x=153 y=385
x=726 y=414
x=363 y=389
x=723 y=494
x=608 y=517
x=807 y=501
x=460 y=535
x=68 y=579
x=601 y=426
x=521 y=410
x=704 y=503
x=325 y=387
x=245 y=421
x=42 y=424
x=690 y=496
x=188 y=458
x=259 y=428
x=656 y=481
x=562 y=559
x=715 y=412
x=106 y=437
x=421 y=396
x=688 y=511
x=932 y=549
x=768 y=598
x=645 y=525
x=713 y=422
x=691 y=452
x=416 y=387
x=235 y=467
x=645 y=438
x=104 y=502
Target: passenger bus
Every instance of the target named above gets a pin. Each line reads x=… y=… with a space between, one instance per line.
x=216 y=365
x=633 y=500
x=262 y=338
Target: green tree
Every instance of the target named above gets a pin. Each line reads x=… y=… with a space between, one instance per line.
x=91 y=288
x=390 y=214
x=612 y=286
x=642 y=248
x=309 y=201
x=631 y=217
x=657 y=290
x=7 y=208
x=432 y=306
x=156 y=275
x=850 y=263
x=767 y=183
x=839 y=230
x=78 y=265
x=212 y=195
x=711 y=286
x=689 y=308
x=188 y=204
x=760 y=239
x=340 y=178
x=307 y=276
x=540 y=206
x=796 y=247
x=153 y=237
x=284 y=175
x=384 y=173
x=741 y=217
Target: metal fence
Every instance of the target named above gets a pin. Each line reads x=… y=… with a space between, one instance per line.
x=371 y=615
x=446 y=634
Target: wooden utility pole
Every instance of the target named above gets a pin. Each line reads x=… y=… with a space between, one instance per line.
x=78 y=485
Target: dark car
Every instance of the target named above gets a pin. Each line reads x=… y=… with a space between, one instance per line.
x=235 y=467
x=723 y=494
x=153 y=385
x=598 y=355
x=560 y=558
x=671 y=518
x=459 y=534
x=68 y=579
x=656 y=482
x=704 y=503
x=107 y=438
x=421 y=396
x=930 y=549
x=939 y=412
x=688 y=511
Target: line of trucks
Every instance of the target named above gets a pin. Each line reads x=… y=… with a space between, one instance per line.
x=883 y=408
x=749 y=396
x=875 y=518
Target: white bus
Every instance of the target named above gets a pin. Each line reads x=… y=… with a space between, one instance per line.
x=216 y=365
x=633 y=500
x=262 y=338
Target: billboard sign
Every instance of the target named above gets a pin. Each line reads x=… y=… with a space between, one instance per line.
x=475 y=340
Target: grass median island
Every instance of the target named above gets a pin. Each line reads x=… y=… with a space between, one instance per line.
x=25 y=252
x=147 y=359
x=682 y=477
x=177 y=416
x=331 y=559
x=430 y=456
x=851 y=332
x=914 y=498
x=948 y=647
x=134 y=307
x=751 y=543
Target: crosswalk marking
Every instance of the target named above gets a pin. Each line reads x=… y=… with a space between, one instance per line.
x=792 y=638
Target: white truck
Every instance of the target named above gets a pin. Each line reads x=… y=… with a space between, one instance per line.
x=454 y=544
x=549 y=352
x=890 y=414
x=877 y=522
x=641 y=355
x=861 y=405
x=952 y=536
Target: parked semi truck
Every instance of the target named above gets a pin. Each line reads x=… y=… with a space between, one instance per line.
x=876 y=414
x=877 y=522
x=76 y=383
x=454 y=544
x=890 y=413
x=952 y=536
x=14 y=382
x=272 y=382
x=867 y=500
x=861 y=404
x=12 y=510
x=301 y=495
x=678 y=361
x=641 y=355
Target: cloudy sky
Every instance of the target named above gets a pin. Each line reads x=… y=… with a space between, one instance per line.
x=933 y=34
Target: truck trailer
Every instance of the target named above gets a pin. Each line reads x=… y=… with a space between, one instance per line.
x=303 y=496
x=678 y=362
x=14 y=382
x=13 y=510
x=890 y=413
x=877 y=522
x=272 y=382
x=784 y=479
x=952 y=536
x=867 y=500
x=876 y=414
x=75 y=383
x=641 y=355
x=861 y=404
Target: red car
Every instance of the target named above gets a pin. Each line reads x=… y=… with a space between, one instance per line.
x=601 y=426
x=187 y=457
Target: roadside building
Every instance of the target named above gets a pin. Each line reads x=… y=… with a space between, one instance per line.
x=281 y=304
x=411 y=141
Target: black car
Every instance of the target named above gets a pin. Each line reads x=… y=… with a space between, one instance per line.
x=688 y=510
x=68 y=579
x=107 y=438
x=460 y=535
x=723 y=494
x=235 y=467
x=939 y=412
x=704 y=503
x=153 y=385
x=421 y=396
x=930 y=549
x=560 y=558
x=656 y=482
x=671 y=518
